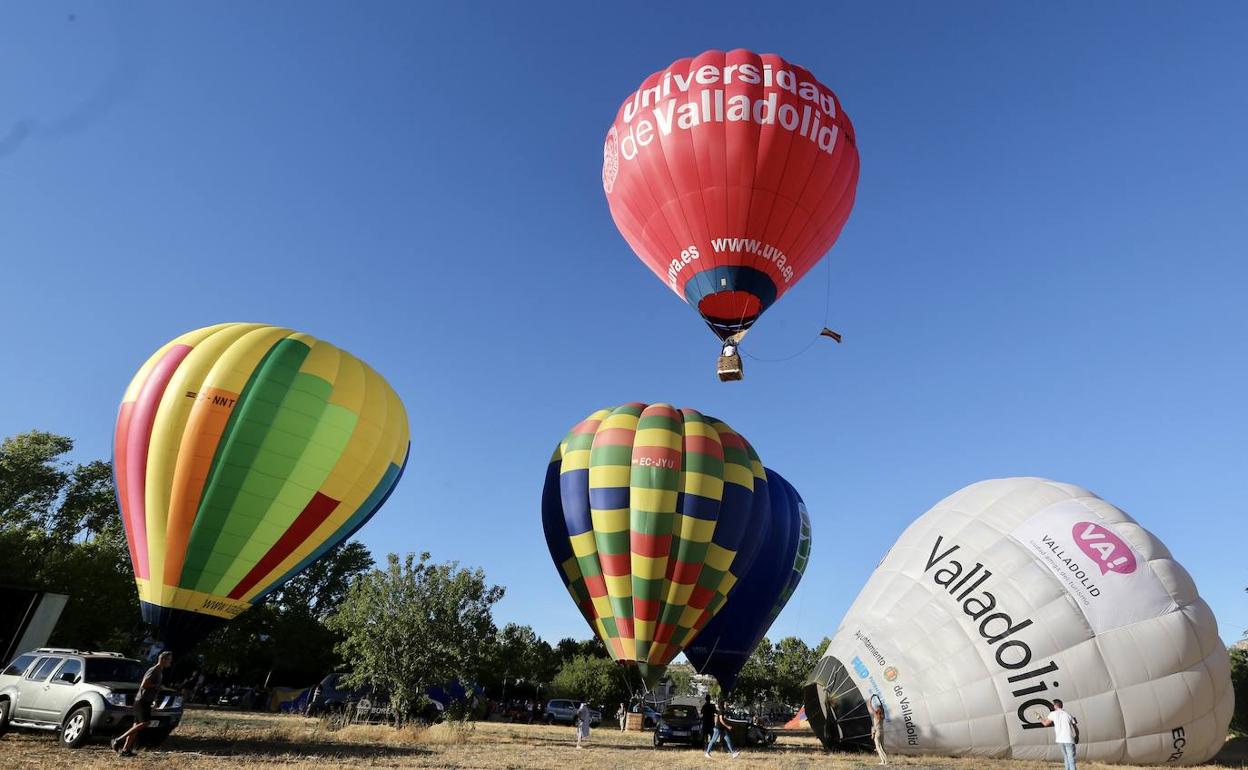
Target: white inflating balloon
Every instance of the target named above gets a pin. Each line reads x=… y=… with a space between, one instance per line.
x=1006 y=595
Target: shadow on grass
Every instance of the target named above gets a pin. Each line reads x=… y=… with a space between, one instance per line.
x=243 y=746
x=1233 y=754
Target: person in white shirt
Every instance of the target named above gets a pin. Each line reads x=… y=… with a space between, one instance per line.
x=877 y=727
x=1065 y=731
x=581 y=721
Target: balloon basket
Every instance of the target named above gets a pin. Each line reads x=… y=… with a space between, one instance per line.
x=729 y=367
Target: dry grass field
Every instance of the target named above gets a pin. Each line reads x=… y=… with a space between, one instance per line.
x=215 y=740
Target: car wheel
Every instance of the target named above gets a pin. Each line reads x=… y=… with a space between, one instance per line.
x=4 y=716
x=77 y=728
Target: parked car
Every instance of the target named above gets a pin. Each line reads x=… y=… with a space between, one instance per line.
x=650 y=717
x=363 y=704
x=333 y=695
x=79 y=695
x=679 y=724
x=563 y=711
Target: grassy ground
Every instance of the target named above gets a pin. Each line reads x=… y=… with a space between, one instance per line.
x=215 y=740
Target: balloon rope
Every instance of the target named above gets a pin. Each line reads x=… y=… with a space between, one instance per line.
x=827 y=305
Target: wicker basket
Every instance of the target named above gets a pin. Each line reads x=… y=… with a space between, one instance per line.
x=729 y=367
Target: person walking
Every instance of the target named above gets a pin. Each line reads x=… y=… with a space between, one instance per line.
x=149 y=690
x=708 y=718
x=622 y=715
x=581 y=721
x=722 y=730
x=1065 y=731
x=877 y=727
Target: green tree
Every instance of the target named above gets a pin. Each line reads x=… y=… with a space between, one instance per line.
x=596 y=680
x=322 y=587
x=568 y=648
x=520 y=663
x=415 y=624
x=284 y=640
x=1239 y=682
x=33 y=477
x=756 y=682
x=60 y=531
x=681 y=677
x=794 y=662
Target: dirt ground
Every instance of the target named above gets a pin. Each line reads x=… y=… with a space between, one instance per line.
x=215 y=740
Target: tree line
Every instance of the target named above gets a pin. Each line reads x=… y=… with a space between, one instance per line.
x=404 y=625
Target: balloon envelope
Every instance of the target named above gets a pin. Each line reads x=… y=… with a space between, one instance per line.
x=728 y=640
x=1012 y=593
x=730 y=175
x=649 y=514
x=243 y=453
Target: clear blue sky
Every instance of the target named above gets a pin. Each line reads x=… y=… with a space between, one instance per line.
x=1044 y=273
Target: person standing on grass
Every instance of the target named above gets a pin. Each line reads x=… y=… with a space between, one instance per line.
x=149 y=690
x=1065 y=731
x=708 y=718
x=722 y=729
x=623 y=716
x=877 y=727
x=581 y=723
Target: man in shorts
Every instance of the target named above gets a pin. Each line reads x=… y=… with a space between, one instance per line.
x=149 y=690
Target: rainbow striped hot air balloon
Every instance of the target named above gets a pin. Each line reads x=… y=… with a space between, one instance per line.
x=649 y=514
x=243 y=453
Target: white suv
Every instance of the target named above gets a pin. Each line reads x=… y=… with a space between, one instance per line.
x=80 y=694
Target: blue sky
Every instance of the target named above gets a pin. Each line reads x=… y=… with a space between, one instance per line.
x=1043 y=275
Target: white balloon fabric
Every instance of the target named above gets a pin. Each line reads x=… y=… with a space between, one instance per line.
x=1011 y=593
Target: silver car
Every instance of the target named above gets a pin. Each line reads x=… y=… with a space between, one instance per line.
x=80 y=694
x=563 y=711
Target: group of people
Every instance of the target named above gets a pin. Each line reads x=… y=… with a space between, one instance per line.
x=1065 y=730
x=715 y=724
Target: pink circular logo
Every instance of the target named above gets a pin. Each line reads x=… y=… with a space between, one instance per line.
x=1110 y=552
x=610 y=160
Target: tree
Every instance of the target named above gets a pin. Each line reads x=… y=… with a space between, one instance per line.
x=1239 y=682
x=61 y=531
x=33 y=476
x=569 y=648
x=777 y=672
x=758 y=675
x=413 y=625
x=596 y=680
x=284 y=639
x=794 y=662
x=322 y=587
x=520 y=663
x=681 y=677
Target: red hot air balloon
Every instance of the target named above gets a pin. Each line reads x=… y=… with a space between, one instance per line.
x=730 y=175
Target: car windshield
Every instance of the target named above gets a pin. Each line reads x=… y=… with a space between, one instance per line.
x=115 y=670
x=680 y=712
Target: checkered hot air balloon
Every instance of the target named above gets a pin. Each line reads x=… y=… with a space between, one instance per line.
x=243 y=453
x=722 y=648
x=650 y=515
